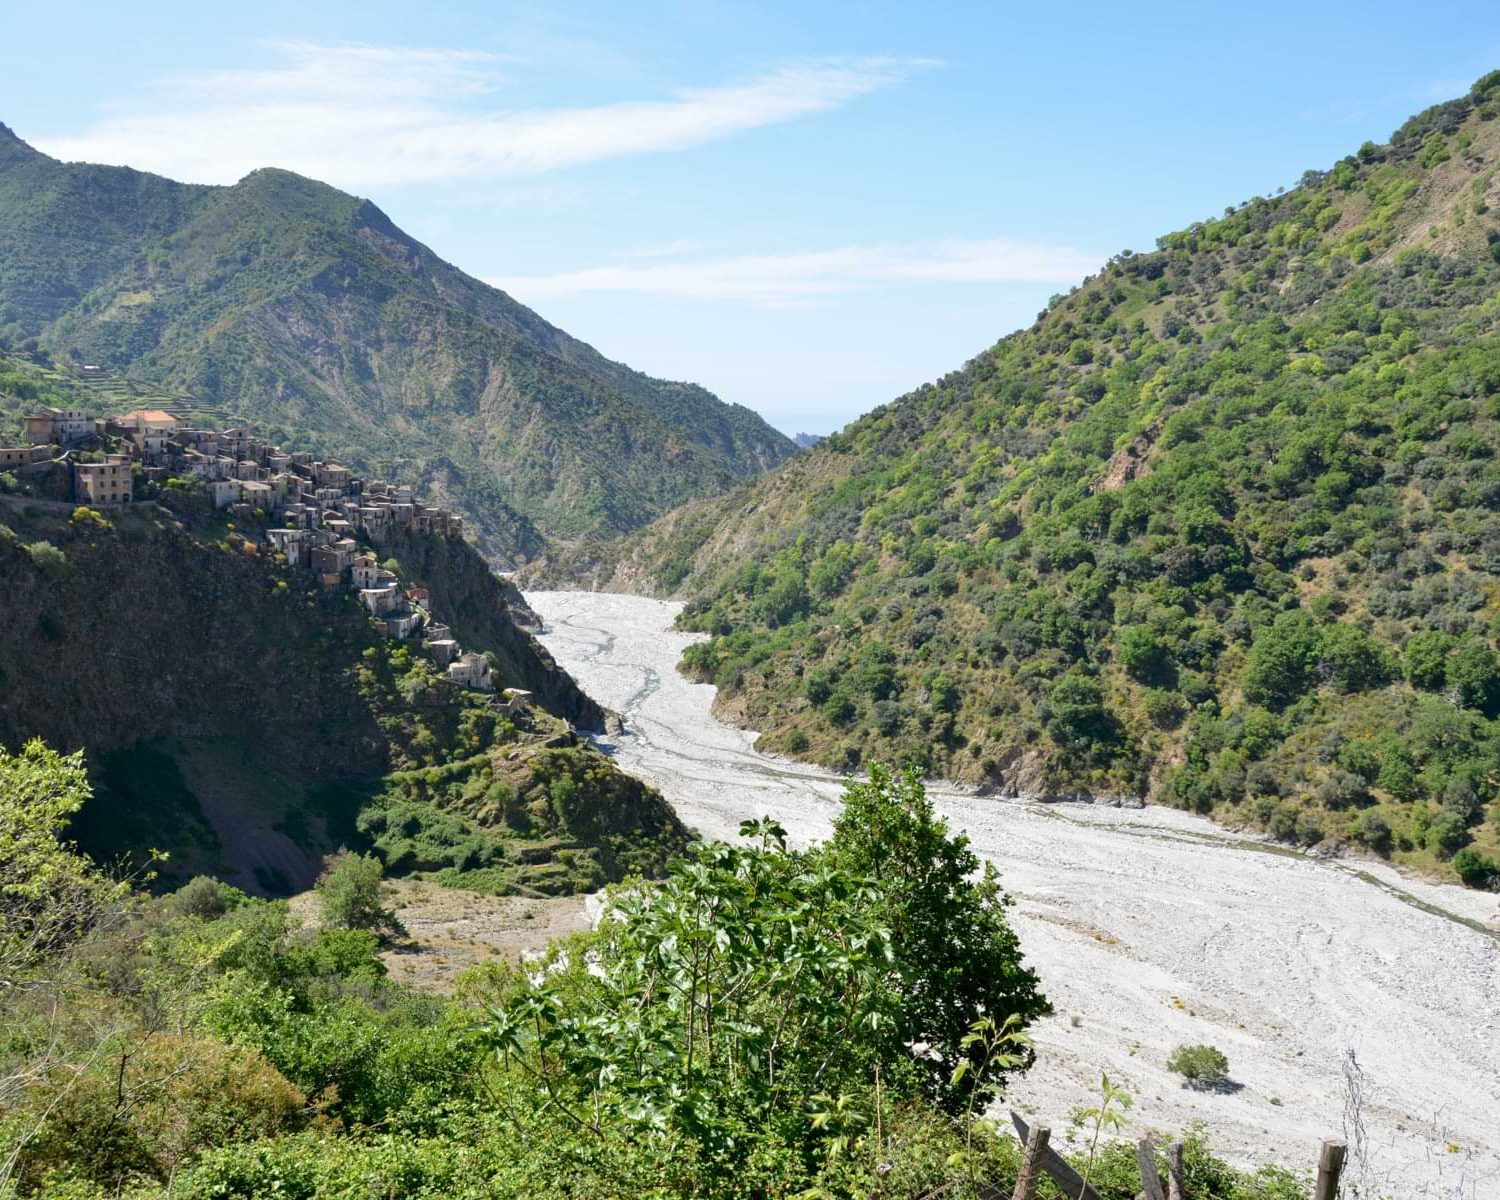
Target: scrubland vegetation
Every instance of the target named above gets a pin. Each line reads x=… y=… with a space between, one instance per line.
x=1219 y=529
x=744 y=1027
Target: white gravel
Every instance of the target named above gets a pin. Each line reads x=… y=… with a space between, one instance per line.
x=1150 y=928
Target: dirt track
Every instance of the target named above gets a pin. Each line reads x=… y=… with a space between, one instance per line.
x=1151 y=928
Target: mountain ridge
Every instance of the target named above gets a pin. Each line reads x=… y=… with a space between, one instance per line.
x=308 y=310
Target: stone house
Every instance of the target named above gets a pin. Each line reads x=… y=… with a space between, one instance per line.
x=152 y=430
x=332 y=475
x=343 y=550
x=106 y=482
x=294 y=543
x=23 y=456
x=443 y=650
x=516 y=700
x=402 y=625
x=61 y=425
x=294 y=516
x=224 y=492
x=324 y=560
x=154 y=423
x=471 y=670
x=258 y=495
x=381 y=601
x=366 y=571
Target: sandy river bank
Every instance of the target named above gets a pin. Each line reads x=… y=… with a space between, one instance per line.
x=1151 y=928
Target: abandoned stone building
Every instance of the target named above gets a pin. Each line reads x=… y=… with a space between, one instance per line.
x=107 y=482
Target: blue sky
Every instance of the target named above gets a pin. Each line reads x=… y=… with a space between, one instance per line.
x=809 y=208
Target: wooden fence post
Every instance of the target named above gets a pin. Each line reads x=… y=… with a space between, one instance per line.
x=1145 y=1158
x=1330 y=1167
x=1069 y=1181
x=1031 y=1163
x=1176 y=1190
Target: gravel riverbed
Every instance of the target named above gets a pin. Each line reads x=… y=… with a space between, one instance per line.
x=1150 y=928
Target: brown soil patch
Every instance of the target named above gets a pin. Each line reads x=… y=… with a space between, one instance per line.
x=450 y=930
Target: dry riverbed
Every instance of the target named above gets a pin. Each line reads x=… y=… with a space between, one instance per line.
x=1151 y=928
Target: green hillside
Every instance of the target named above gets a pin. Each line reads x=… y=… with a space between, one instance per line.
x=291 y=303
x=248 y=725
x=1219 y=529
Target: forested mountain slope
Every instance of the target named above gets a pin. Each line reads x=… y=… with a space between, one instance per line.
x=1220 y=528
x=247 y=723
x=286 y=301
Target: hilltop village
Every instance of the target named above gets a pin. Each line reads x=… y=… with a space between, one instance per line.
x=323 y=508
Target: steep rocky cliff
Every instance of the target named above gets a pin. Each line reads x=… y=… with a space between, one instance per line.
x=247 y=724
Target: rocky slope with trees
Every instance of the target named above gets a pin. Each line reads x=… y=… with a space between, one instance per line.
x=1219 y=529
x=247 y=723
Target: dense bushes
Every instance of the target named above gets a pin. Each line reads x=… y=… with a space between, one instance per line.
x=1253 y=472
x=763 y=1021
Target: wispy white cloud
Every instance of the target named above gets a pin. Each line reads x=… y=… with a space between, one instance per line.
x=672 y=249
x=371 y=115
x=806 y=278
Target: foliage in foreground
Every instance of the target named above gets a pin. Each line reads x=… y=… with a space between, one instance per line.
x=741 y=1028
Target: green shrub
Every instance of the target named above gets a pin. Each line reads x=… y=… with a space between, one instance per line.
x=1354 y=659
x=49 y=560
x=1164 y=708
x=1474 y=670
x=1142 y=653
x=1475 y=869
x=349 y=891
x=1279 y=666
x=142 y=1110
x=205 y=898
x=1201 y=1066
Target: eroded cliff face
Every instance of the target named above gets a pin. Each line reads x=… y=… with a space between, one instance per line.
x=141 y=631
x=248 y=724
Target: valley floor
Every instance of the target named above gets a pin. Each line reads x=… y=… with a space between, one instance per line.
x=1150 y=928
x=450 y=929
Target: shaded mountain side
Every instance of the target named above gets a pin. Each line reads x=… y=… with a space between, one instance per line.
x=145 y=632
x=249 y=725
x=291 y=303
x=1219 y=529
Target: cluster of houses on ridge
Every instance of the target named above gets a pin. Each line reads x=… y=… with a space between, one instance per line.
x=321 y=507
